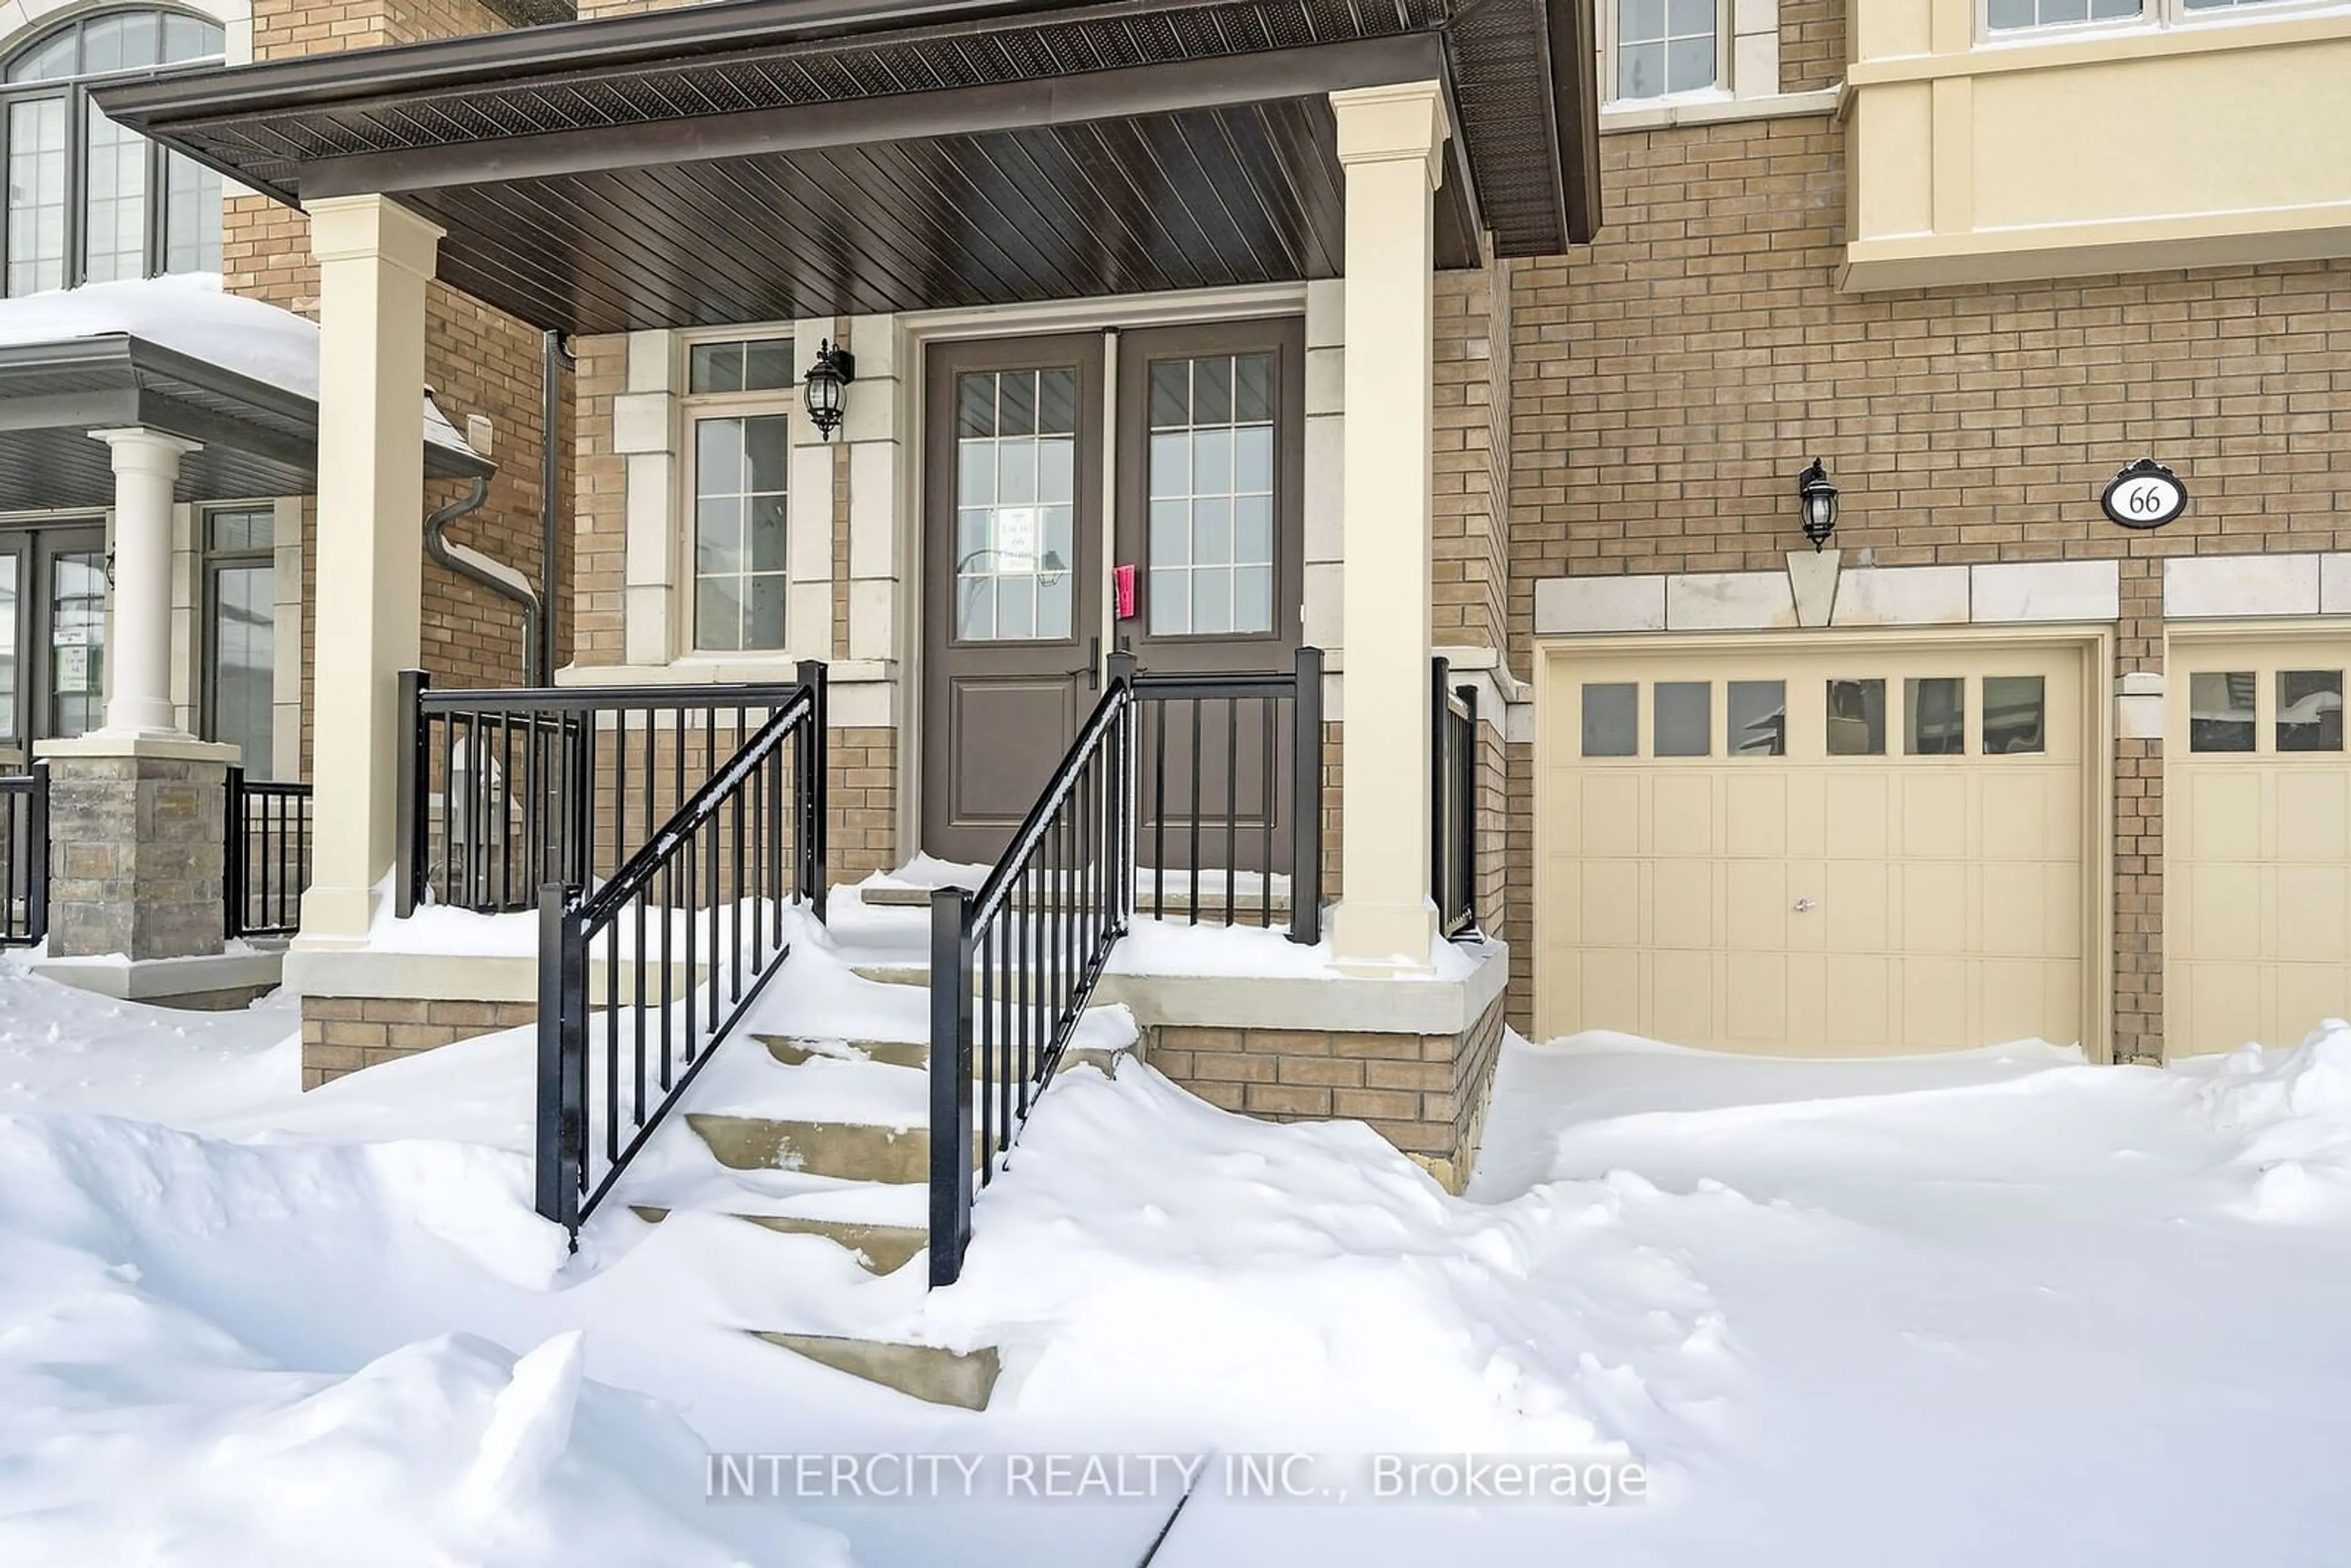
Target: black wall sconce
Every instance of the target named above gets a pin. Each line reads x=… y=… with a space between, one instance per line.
x=1819 y=498
x=825 y=387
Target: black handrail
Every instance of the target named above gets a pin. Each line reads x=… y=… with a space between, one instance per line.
x=702 y=906
x=541 y=784
x=1453 y=801
x=1212 y=791
x=1013 y=966
x=266 y=857
x=24 y=857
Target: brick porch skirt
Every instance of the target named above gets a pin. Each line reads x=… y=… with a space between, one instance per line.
x=343 y=1034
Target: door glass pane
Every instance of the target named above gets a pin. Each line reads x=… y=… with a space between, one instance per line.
x=1759 y=719
x=1856 y=718
x=1684 y=720
x=191 y=216
x=244 y=673
x=114 y=213
x=77 y=643
x=740 y=475
x=37 y=196
x=1611 y=718
x=1016 y=462
x=1935 y=716
x=2221 y=710
x=1212 y=485
x=2310 y=710
x=9 y=566
x=2015 y=715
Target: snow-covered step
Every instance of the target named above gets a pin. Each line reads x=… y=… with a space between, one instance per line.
x=879 y=1249
x=929 y=1372
x=850 y=1150
x=1086 y=1052
x=1175 y=903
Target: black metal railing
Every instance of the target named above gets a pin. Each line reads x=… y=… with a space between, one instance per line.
x=1230 y=769
x=1453 y=801
x=25 y=856
x=266 y=855
x=641 y=981
x=1013 y=965
x=502 y=792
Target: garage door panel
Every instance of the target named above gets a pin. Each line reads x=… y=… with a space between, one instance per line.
x=2312 y=992
x=2308 y=905
x=2226 y=910
x=2310 y=815
x=2224 y=814
x=1862 y=809
x=1852 y=904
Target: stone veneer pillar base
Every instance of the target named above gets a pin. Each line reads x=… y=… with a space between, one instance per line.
x=136 y=845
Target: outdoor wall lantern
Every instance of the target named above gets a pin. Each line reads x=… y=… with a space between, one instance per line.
x=1820 y=503
x=828 y=380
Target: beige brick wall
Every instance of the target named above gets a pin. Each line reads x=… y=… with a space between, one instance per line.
x=1669 y=380
x=1811 y=44
x=477 y=361
x=342 y=1034
x=1424 y=1094
x=864 y=787
x=600 y=525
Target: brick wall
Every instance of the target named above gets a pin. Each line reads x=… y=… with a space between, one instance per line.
x=864 y=788
x=1811 y=44
x=600 y=522
x=343 y=1034
x=477 y=361
x=1470 y=480
x=1669 y=380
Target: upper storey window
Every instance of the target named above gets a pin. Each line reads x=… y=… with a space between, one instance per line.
x=1662 y=48
x=2002 y=16
x=89 y=202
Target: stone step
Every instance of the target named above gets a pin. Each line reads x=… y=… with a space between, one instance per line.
x=880 y=1248
x=926 y=1372
x=915 y=1054
x=1177 y=902
x=847 y=1151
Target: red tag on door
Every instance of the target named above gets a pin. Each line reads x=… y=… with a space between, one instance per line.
x=1122 y=582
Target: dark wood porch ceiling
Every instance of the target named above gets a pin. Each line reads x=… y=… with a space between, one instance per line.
x=770 y=159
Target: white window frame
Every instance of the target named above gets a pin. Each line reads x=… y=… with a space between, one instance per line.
x=2155 y=16
x=694 y=407
x=1724 y=46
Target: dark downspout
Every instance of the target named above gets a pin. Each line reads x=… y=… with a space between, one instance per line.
x=553 y=359
x=471 y=570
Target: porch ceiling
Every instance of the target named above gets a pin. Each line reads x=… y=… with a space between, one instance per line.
x=770 y=158
x=255 y=439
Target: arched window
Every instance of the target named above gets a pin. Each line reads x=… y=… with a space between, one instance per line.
x=89 y=202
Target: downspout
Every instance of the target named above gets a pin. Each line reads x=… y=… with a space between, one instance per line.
x=553 y=359
x=474 y=567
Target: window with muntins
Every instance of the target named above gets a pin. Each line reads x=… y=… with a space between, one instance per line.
x=2001 y=17
x=1664 y=47
x=89 y=202
x=241 y=637
x=738 y=415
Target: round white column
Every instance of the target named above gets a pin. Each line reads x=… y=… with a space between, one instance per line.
x=146 y=473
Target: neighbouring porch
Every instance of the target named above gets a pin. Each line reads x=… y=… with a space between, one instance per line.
x=1105 y=566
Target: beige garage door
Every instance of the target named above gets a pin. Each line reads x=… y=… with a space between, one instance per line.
x=2257 y=903
x=1849 y=849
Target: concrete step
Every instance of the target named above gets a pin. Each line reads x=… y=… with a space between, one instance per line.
x=960 y=1378
x=847 y=1151
x=880 y=1248
x=1176 y=904
x=913 y=1054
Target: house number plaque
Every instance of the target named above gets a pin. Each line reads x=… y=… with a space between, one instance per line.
x=2146 y=495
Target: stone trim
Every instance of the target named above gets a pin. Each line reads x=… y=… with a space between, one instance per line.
x=2002 y=594
x=2256 y=587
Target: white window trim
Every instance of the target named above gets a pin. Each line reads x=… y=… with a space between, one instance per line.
x=692 y=409
x=2155 y=16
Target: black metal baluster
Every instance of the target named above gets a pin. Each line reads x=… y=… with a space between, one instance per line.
x=1232 y=801
x=1267 y=740
x=1194 y=800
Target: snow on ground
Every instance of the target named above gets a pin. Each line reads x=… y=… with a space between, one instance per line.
x=1993 y=1307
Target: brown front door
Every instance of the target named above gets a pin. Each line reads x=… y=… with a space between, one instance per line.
x=1210 y=515
x=1012 y=577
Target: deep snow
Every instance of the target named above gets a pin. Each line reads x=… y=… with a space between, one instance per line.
x=1994 y=1307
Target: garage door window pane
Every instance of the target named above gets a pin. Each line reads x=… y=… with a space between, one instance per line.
x=1759 y=719
x=1684 y=718
x=2015 y=715
x=1935 y=716
x=1611 y=719
x=2310 y=710
x=1857 y=716
x=2221 y=710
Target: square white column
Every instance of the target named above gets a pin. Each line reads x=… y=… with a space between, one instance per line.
x=1391 y=144
x=375 y=258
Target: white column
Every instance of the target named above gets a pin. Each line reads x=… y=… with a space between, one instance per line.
x=146 y=472
x=1391 y=143
x=375 y=258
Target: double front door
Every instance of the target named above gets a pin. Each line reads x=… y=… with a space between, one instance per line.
x=1135 y=491
x=52 y=636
